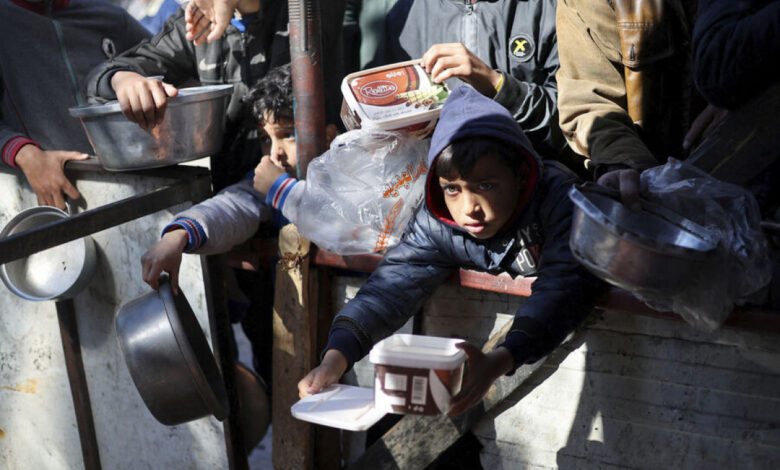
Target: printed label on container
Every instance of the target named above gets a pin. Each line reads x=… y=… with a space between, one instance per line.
x=430 y=393
x=397 y=92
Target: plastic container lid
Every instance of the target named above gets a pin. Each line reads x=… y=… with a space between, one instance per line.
x=418 y=351
x=394 y=96
x=339 y=406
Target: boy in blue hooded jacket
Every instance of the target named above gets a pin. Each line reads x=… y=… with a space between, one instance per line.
x=491 y=205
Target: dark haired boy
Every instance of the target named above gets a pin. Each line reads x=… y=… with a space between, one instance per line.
x=491 y=205
x=234 y=214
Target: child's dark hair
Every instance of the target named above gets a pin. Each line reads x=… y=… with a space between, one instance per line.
x=459 y=157
x=272 y=93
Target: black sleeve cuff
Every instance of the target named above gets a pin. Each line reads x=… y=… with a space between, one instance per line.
x=512 y=92
x=343 y=340
x=520 y=346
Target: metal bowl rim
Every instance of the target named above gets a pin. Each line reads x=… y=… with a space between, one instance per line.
x=186 y=95
x=596 y=216
x=89 y=245
x=197 y=373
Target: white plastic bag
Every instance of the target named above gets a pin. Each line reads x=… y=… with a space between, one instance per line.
x=731 y=213
x=360 y=194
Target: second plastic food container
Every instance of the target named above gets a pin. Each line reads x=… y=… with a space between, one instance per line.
x=393 y=97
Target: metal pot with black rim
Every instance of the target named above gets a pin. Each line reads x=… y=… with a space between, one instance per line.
x=169 y=357
x=652 y=251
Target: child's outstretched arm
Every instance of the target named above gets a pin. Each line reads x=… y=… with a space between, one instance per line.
x=330 y=370
x=165 y=255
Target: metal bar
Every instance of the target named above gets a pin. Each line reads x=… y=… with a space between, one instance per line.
x=363 y=263
x=71 y=346
x=502 y=283
x=307 y=78
x=219 y=324
x=86 y=223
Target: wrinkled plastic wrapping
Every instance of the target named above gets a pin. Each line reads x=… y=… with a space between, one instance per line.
x=360 y=194
x=742 y=263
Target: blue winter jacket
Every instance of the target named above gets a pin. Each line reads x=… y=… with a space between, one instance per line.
x=535 y=242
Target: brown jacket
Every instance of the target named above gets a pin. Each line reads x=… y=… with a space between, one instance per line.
x=624 y=83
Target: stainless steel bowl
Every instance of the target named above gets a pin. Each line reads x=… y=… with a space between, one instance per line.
x=650 y=252
x=169 y=358
x=192 y=128
x=57 y=273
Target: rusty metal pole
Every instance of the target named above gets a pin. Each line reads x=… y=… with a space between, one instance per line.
x=307 y=78
x=295 y=316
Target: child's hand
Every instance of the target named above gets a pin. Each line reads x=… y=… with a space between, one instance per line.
x=333 y=366
x=444 y=61
x=143 y=100
x=165 y=255
x=265 y=175
x=483 y=370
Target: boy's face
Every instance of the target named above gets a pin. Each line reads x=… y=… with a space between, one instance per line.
x=484 y=200
x=280 y=142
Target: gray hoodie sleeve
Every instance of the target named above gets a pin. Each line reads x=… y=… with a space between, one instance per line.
x=225 y=220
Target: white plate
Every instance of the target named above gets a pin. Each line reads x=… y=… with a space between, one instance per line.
x=339 y=406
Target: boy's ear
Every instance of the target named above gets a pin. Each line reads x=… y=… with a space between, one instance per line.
x=331 y=131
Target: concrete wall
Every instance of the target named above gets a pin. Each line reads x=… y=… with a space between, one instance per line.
x=37 y=421
x=626 y=391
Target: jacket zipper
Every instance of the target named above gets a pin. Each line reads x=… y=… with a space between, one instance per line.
x=245 y=59
x=58 y=30
x=470 y=30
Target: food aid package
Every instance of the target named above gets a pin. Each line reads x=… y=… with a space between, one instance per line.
x=743 y=259
x=359 y=195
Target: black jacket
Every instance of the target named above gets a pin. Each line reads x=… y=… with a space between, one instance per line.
x=535 y=242
x=736 y=45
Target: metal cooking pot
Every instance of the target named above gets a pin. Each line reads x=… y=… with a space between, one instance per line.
x=57 y=273
x=169 y=358
x=192 y=128
x=650 y=252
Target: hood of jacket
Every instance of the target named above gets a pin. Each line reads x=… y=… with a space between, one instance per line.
x=469 y=114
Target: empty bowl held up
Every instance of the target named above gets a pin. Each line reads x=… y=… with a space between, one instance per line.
x=193 y=127
x=169 y=359
x=57 y=273
x=650 y=252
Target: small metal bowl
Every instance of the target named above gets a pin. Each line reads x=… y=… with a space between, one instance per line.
x=169 y=358
x=650 y=252
x=54 y=274
x=192 y=128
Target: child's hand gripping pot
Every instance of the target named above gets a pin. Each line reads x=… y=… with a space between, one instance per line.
x=165 y=255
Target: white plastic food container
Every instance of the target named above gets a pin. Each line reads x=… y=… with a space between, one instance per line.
x=413 y=374
x=416 y=374
x=392 y=97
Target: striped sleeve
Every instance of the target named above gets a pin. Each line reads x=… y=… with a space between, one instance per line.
x=12 y=147
x=279 y=191
x=196 y=236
